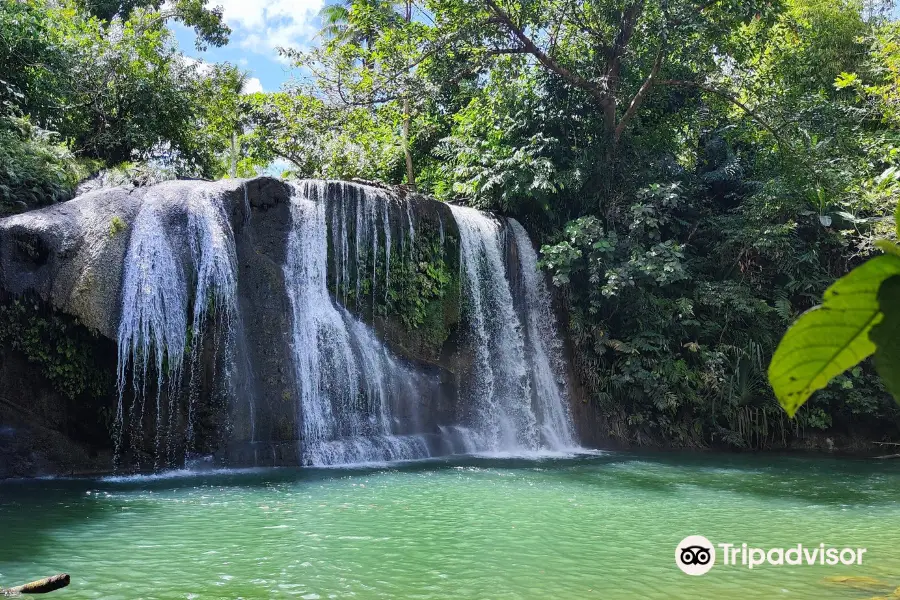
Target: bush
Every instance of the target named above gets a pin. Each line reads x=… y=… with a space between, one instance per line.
x=35 y=169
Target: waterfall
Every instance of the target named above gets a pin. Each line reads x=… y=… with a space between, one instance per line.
x=153 y=322
x=544 y=348
x=359 y=219
x=347 y=380
x=412 y=224
x=517 y=383
x=386 y=226
x=154 y=335
x=500 y=387
x=355 y=399
x=214 y=258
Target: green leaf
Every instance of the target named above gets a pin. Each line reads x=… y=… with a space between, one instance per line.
x=888 y=247
x=886 y=336
x=845 y=80
x=829 y=339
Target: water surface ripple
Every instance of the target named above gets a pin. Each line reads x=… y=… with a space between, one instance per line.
x=597 y=527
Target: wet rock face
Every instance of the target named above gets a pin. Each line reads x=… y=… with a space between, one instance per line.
x=323 y=322
x=72 y=258
x=71 y=255
x=261 y=244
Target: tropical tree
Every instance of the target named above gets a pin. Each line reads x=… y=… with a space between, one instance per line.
x=78 y=91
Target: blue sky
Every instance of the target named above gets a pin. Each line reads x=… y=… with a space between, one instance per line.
x=257 y=28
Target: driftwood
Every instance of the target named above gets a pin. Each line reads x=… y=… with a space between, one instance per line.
x=43 y=586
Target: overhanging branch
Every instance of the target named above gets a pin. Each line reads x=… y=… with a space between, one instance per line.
x=731 y=98
x=638 y=98
x=530 y=47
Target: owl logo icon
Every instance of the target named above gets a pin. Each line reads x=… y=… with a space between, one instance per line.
x=695 y=555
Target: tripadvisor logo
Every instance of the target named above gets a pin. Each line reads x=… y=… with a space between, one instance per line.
x=696 y=555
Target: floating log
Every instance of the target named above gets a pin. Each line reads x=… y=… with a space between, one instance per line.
x=43 y=586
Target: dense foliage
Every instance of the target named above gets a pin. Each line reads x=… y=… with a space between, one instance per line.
x=698 y=173
x=91 y=84
x=859 y=317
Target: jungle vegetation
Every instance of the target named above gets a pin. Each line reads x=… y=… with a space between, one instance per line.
x=697 y=172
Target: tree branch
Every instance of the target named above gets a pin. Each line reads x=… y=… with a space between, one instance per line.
x=502 y=51
x=731 y=98
x=289 y=157
x=43 y=586
x=626 y=29
x=638 y=98
x=530 y=47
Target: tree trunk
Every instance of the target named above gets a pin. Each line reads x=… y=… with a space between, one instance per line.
x=42 y=586
x=232 y=168
x=410 y=173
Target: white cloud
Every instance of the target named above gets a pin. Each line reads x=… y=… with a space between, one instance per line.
x=203 y=68
x=263 y=25
x=251 y=86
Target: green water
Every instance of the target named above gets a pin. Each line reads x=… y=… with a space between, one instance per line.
x=601 y=527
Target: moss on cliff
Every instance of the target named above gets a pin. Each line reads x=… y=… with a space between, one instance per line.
x=412 y=292
x=65 y=350
x=424 y=291
x=57 y=390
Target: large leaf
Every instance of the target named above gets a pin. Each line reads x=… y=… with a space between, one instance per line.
x=888 y=247
x=886 y=336
x=828 y=339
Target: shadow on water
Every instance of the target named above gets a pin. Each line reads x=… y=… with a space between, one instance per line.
x=34 y=513
x=812 y=479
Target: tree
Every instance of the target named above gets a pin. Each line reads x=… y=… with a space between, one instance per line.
x=221 y=137
x=358 y=26
x=206 y=22
x=590 y=46
x=76 y=88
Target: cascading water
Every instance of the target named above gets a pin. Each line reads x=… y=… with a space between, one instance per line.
x=544 y=348
x=153 y=330
x=214 y=258
x=356 y=400
x=412 y=224
x=500 y=387
x=359 y=219
x=520 y=399
x=154 y=319
x=347 y=380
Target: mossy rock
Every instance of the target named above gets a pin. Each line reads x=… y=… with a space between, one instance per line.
x=420 y=308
